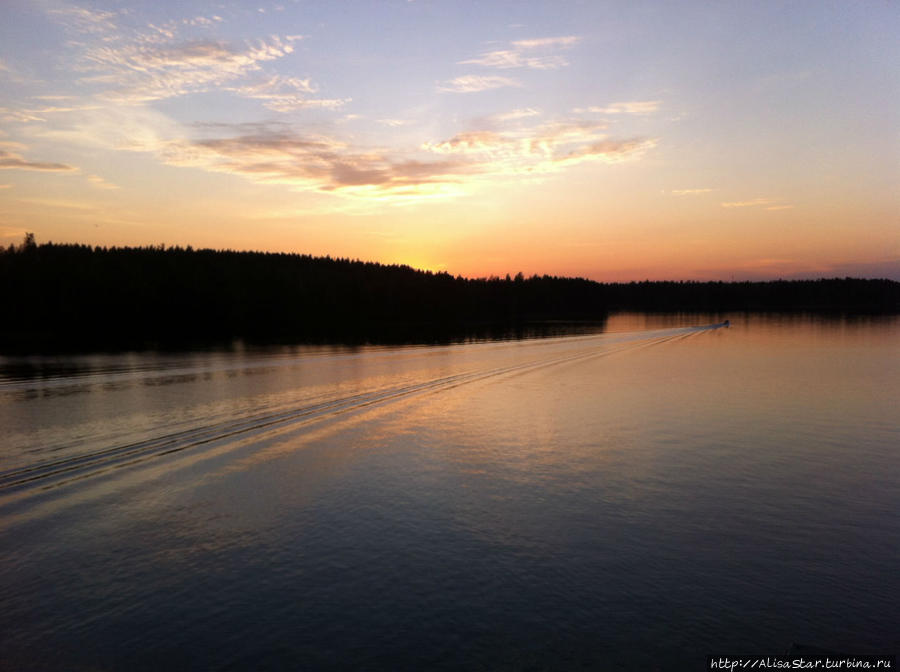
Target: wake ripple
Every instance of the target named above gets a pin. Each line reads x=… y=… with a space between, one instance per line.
x=57 y=473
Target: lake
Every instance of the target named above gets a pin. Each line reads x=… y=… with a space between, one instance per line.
x=635 y=498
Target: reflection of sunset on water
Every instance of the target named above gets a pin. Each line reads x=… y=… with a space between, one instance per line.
x=616 y=491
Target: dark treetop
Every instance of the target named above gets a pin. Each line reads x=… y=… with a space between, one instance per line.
x=77 y=296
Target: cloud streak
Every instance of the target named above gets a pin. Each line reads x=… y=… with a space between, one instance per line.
x=82 y=20
x=476 y=83
x=284 y=94
x=124 y=69
x=752 y=203
x=14 y=161
x=542 y=149
x=635 y=107
x=100 y=183
x=566 y=41
x=690 y=192
x=537 y=54
x=514 y=115
x=609 y=151
x=312 y=162
x=38 y=114
x=140 y=73
x=134 y=66
x=275 y=153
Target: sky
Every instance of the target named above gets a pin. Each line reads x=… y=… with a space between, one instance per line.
x=618 y=141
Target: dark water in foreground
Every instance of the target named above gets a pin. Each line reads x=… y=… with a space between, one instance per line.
x=637 y=499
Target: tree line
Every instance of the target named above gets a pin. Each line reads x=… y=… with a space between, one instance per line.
x=69 y=295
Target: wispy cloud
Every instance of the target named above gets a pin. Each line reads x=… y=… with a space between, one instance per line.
x=133 y=128
x=690 y=192
x=83 y=20
x=470 y=142
x=539 y=54
x=132 y=67
x=21 y=115
x=276 y=153
x=635 y=107
x=780 y=207
x=314 y=162
x=140 y=73
x=9 y=73
x=475 y=83
x=100 y=183
x=609 y=151
x=202 y=20
x=516 y=114
x=277 y=84
x=284 y=94
x=542 y=139
x=5 y=186
x=566 y=41
x=752 y=203
x=543 y=148
x=38 y=114
x=15 y=161
x=154 y=62
x=60 y=203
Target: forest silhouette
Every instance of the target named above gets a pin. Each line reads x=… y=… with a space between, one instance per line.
x=69 y=296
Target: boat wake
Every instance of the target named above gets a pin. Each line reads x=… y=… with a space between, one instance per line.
x=51 y=476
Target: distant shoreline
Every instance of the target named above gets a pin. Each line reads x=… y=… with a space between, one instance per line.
x=77 y=297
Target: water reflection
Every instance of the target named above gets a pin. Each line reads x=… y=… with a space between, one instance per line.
x=654 y=493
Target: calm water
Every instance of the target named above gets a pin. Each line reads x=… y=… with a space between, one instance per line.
x=635 y=499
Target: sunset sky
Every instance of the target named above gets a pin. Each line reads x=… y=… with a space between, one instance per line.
x=611 y=140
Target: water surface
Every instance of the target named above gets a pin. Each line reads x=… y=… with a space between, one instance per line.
x=634 y=499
